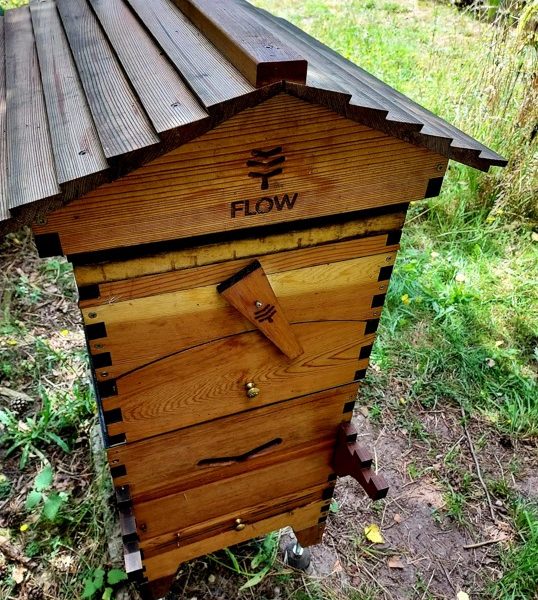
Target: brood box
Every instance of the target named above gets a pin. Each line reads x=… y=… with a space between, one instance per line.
x=231 y=193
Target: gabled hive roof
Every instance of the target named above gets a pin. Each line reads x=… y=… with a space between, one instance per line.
x=92 y=89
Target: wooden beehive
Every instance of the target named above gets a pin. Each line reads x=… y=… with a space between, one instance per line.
x=231 y=194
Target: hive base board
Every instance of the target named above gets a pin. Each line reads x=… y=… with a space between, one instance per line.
x=161 y=570
x=160 y=587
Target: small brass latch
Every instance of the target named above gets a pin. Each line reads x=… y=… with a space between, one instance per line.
x=252 y=390
x=239 y=525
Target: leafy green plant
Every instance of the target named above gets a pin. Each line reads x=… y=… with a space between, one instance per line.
x=47 y=427
x=100 y=581
x=42 y=494
x=260 y=564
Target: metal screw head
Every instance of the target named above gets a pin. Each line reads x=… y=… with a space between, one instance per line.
x=258 y=304
x=440 y=167
x=92 y=315
x=239 y=525
x=98 y=346
x=104 y=374
x=252 y=390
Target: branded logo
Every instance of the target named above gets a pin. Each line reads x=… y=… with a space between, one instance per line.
x=266 y=164
x=263 y=205
x=265 y=314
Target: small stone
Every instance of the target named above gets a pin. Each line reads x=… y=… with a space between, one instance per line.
x=211 y=578
x=498 y=502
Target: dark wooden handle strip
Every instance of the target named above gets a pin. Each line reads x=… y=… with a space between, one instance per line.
x=241 y=457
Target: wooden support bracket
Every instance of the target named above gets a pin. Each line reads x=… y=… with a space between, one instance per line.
x=250 y=292
x=352 y=459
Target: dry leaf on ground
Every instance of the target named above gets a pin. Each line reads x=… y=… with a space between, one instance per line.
x=395 y=562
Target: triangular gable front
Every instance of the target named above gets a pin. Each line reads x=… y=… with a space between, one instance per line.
x=283 y=160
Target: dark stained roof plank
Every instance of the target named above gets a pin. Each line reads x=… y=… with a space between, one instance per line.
x=209 y=75
x=260 y=56
x=122 y=124
x=4 y=210
x=31 y=169
x=165 y=97
x=75 y=142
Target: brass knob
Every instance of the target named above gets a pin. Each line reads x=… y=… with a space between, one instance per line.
x=252 y=390
x=239 y=525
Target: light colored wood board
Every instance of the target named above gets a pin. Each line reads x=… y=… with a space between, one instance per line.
x=228 y=521
x=332 y=166
x=254 y=488
x=253 y=49
x=197 y=256
x=75 y=142
x=4 y=210
x=122 y=124
x=212 y=274
x=211 y=77
x=168 y=463
x=251 y=294
x=148 y=329
x=190 y=387
x=167 y=100
x=31 y=168
x=166 y=563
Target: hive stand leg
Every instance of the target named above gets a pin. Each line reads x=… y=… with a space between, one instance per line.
x=154 y=590
x=310 y=536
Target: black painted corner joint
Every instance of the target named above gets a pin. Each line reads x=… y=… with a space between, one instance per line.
x=434 y=187
x=48 y=244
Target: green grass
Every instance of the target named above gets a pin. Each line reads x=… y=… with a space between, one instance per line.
x=520 y=577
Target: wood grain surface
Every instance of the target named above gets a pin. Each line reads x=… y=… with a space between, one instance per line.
x=166 y=98
x=332 y=166
x=174 y=260
x=75 y=142
x=163 y=564
x=254 y=50
x=253 y=297
x=212 y=274
x=122 y=124
x=168 y=463
x=252 y=489
x=145 y=330
x=4 y=210
x=226 y=522
x=211 y=77
x=189 y=387
x=31 y=167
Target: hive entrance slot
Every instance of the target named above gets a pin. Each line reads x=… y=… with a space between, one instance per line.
x=220 y=460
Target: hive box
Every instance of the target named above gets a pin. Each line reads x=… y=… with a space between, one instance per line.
x=231 y=194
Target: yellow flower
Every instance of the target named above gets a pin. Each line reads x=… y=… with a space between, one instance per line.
x=490 y=219
x=373 y=534
x=64 y=332
x=405 y=299
x=12 y=342
x=24 y=527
